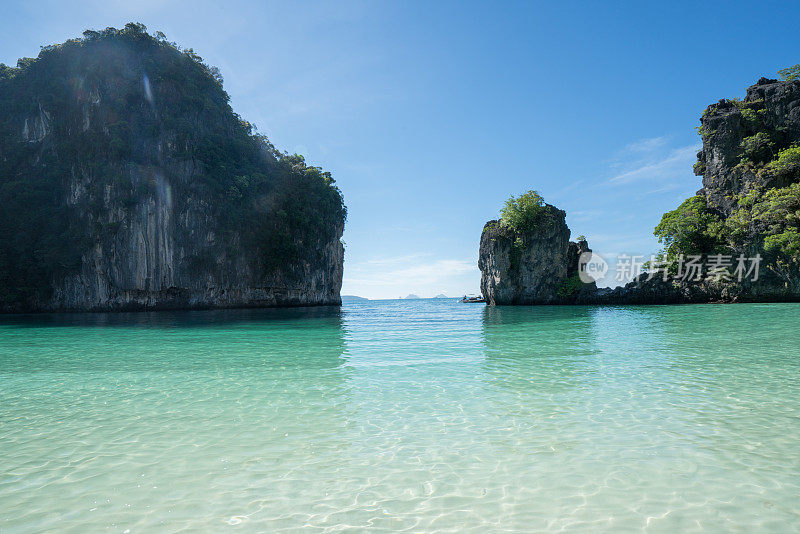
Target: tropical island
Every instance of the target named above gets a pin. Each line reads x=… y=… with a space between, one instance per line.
x=737 y=239
x=127 y=182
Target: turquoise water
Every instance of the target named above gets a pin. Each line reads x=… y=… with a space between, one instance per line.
x=425 y=416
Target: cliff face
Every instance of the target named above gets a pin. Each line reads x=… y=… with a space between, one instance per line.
x=532 y=267
x=741 y=136
x=160 y=257
x=750 y=165
x=127 y=182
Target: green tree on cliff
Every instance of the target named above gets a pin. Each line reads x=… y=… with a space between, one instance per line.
x=691 y=228
x=790 y=73
x=525 y=212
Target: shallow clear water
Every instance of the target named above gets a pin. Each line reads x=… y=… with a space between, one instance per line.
x=417 y=415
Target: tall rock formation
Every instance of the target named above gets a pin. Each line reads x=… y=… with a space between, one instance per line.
x=742 y=137
x=127 y=182
x=538 y=266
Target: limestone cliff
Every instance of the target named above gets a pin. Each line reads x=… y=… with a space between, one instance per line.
x=127 y=182
x=537 y=266
x=741 y=138
x=750 y=201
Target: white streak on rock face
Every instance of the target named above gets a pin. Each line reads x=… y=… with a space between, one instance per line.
x=89 y=101
x=37 y=127
x=146 y=262
x=148 y=93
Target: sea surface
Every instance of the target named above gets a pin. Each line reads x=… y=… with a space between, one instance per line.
x=420 y=416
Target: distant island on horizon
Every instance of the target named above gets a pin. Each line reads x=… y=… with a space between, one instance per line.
x=411 y=296
x=353 y=298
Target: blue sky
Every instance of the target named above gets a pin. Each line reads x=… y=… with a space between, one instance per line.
x=430 y=114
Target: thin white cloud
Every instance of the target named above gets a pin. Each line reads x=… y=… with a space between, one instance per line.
x=664 y=189
x=645 y=146
x=651 y=165
x=586 y=215
x=397 y=260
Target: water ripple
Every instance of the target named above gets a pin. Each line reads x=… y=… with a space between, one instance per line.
x=402 y=416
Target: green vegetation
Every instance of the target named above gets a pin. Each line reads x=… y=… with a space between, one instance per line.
x=132 y=112
x=785 y=249
x=515 y=253
x=790 y=73
x=753 y=114
x=569 y=287
x=704 y=132
x=692 y=228
x=788 y=160
x=310 y=210
x=699 y=168
x=525 y=213
x=767 y=219
x=757 y=148
x=771 y=217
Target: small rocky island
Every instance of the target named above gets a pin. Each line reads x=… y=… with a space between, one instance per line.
x=527 y=257
x=127 y=182
x=748 y=209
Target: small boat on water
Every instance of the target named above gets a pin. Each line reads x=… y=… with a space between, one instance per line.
x=468 y=300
